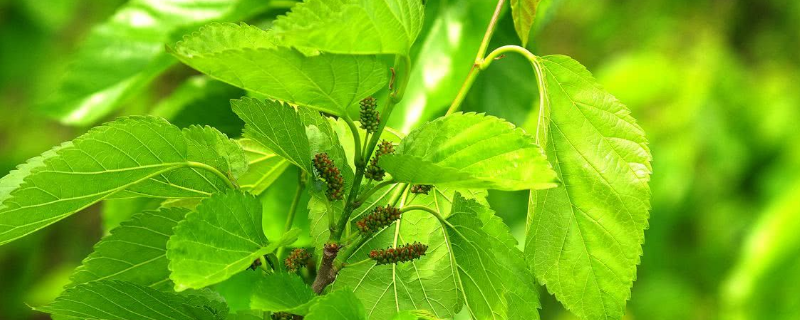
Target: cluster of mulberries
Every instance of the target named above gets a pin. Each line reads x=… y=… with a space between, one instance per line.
x=373 y=171
x=402 y=253
x=297 y=259
x=332 y=247
x=421 y=188
x=332 y=176
x=285 y=316
x=370 y=118
x=380 y=218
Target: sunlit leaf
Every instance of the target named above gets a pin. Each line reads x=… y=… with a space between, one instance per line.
x=523 y=12
x=470 y=151
x=352 y=26
x=337 y=305
x=130 y=157
x=264 y=166
x=221 y=238
x=248 y=58
x=584 y=237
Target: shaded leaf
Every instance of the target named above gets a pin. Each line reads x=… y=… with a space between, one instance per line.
x=123 y=54
x=134 y=252
x=282 y=292
x=337 y=305
x=110 y=299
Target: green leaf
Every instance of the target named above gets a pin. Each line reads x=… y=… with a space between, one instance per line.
x=470 y=151
x=337 y=305
x=282 y=292
x=414 y=315
x=523 y=12
x=429 y=283
x=584 y=237
x=130 y=157
x=352 y=26
x=264 y=166
x=278 y=127
x=134 y=252
x=247 y=57
x=493 y=277
x=113 y=300
x=221 y=238
x=122 y=55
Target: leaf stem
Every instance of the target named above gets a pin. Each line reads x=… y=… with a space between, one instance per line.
x=301 y=185
x=356 y=139
x=224 y=177
x=476 y=67
x=364 y=196
x=357 y=263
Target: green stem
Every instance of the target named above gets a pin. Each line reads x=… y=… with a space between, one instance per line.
x=429 y=210
x=264 y=264
x=301 y=185
x=473 y=72
x=224 y=177
x=402 y=63
x=356 y=138
x=364 y=196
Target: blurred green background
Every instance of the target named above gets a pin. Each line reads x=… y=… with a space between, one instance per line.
x=715 y=84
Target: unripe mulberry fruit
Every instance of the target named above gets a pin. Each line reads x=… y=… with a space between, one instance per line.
x=373 y=171
x=403 y=253
x=330 y=173
x=297 y=259
x=370 y=118
x=380 y=218
x=421 y=188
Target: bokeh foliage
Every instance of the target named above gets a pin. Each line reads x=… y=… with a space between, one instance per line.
x=714 y=84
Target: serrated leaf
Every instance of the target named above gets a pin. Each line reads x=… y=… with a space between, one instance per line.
x=523 y=12
x=221 y=238
x=282 y=292
x=130 y=157
x=584 y=237
x=352 y=26
x=337 y=305
x=134 y=252
x=470 y=151
x=264 y=166
x=493 y=277
x=247 y=57
x=278 y=127
x=429 y=283
x=126 y=52
x=113 y=300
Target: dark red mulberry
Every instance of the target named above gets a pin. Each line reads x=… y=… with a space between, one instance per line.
x=328 y=171
x=373 y=171
x=297 y=259
x=380 y=218
x=370 y=118
x=402 y=253
x=421 y=188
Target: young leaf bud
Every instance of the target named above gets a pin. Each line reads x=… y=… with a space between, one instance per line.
x=403 y=253
x=328 y=171
x=380 y=218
